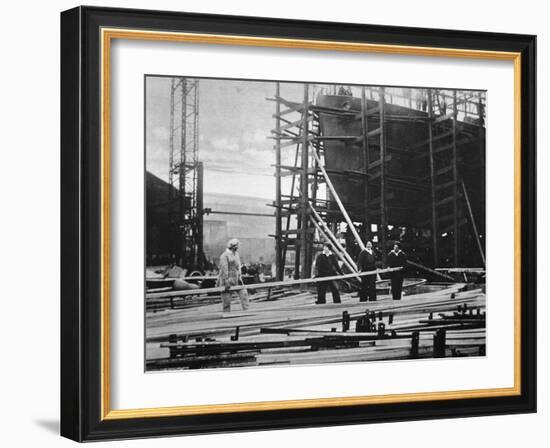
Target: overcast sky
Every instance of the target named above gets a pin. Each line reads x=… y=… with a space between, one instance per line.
x=234 y=125
x=235 y=120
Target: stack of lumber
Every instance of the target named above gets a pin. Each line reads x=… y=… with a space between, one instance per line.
x=174 y=302
x=287 y=327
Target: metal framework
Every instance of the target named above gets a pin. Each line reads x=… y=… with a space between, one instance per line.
x=185 y=174
x=304 y=218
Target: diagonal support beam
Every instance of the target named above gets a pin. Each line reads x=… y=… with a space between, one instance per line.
x=339 y=202
x=326 y=230
x=476 y=233
x=334 y=247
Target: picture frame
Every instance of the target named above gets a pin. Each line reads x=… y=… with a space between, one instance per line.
x=86 y=209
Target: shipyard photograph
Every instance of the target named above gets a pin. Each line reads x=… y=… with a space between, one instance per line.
x=297 y=223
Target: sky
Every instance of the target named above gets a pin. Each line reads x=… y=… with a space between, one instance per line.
x=235 y=120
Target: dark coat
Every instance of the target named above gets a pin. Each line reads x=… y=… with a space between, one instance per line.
x=326 y=265
x=396 y=259
x=366 y=261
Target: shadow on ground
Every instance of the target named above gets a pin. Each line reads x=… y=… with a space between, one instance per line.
x=51 y=426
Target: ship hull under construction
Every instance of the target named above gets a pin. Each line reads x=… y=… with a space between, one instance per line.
x=353 y=163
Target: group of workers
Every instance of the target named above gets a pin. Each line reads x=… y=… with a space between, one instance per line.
x=326 y=265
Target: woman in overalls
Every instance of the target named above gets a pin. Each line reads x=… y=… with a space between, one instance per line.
x=230 y=275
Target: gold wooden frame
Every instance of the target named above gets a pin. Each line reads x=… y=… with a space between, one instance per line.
x=107 y=35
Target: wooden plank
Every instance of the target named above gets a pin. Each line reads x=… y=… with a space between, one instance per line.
x=445 y=200
x=292 y=142
x=327 y=317
x=444 y=170
x=335 y=137
x=333 y=110
x=432 y=271
x=266 y=314
x=374 y=132
x=373 y=110
x=347 y=173
x=295 y=123
x=433 y=139
x=445 y=185
x=474 y=270
x=451 y=145
x=289 y=104
x=444 y=117
x=296 y=231
x=414 y=305
x=287 y=111
x=273 y=284
x=377 y=163
x=460 y=223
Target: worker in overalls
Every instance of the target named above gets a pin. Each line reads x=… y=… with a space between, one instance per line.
x=230 y=275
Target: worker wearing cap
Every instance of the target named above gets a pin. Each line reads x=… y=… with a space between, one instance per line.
x=396 y=259
x=326 y=265
x=230 y=275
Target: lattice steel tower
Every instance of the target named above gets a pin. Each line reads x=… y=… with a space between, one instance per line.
x=185 y=174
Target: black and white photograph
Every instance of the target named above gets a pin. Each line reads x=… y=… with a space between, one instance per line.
x=272 y=223
x=305 y=223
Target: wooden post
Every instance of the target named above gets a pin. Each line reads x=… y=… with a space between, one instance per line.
x=365 y=131
x=481 y=135
x=173 y=228
x=476 y=233
x=199 y=255
x=297 y=247
x=181 y=173
x=415 y=340
x=432 y=178
x=345 y=321
x=455 y=184
x=236 y=336
x=279 y=262
x=315 y=147
x=383 y=223
x=304 y=188
x=289 y=217
x=439 y=343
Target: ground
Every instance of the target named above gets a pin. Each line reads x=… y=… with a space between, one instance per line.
x=287 y=327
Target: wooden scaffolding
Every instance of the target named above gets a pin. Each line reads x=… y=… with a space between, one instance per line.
x=304 y=219
x=450 y=202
